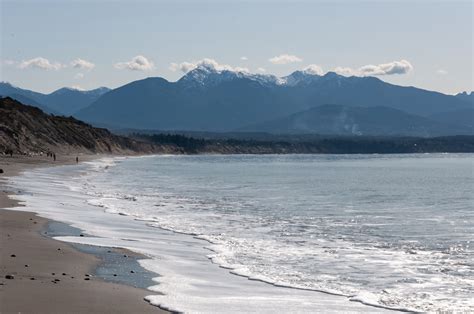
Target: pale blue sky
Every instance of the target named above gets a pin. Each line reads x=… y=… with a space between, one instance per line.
x=436 y=38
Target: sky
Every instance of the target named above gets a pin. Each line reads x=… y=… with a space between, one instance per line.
x=46 y=45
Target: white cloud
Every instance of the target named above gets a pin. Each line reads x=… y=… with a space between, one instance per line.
x=344 y=71
x=285 y=59
x=314 y=69
x=244 y=58
x=394 y=67
x=79 y=76
x=261 y=70
x=138 y=63
x=442 y=72
x=82 y=64
x=185 y=67
x=40 y=63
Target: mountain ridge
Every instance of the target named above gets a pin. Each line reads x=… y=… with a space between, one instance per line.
x=222 y=100
x=63 y=101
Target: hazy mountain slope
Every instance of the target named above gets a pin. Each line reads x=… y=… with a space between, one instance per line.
x=370 y=91
x=206 y=99
x=64 y=101
x=68 y=100
x=30 y=102
x=24 y=96
x=346 y=120
x=461 y=117
x=27 y=129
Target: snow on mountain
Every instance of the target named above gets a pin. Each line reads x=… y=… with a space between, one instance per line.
x=208 y=75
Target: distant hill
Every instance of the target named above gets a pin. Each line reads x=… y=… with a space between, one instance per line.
x=68 y=101
x=28 y=129
x=210 y=100
x=345 y=120
x=64 y=101
x=28 y=101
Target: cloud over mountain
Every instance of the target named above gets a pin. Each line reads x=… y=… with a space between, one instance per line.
x=40 y=63
x=390 y=68
x=138 y=63
x=186 y=66
x=314 y=69
x=394 y=67
x=285 y=59
x=82 y=64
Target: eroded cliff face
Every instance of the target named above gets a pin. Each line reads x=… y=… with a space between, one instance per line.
x=26 y=129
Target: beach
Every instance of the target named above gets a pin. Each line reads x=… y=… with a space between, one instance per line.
x=50 y=276
x=201 y=246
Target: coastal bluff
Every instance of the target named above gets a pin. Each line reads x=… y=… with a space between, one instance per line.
x=28 y=130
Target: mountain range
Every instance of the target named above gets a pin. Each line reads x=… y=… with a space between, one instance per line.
x=64 y=101
x=207 y=99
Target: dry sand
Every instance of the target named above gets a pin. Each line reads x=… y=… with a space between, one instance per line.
x=49 y=276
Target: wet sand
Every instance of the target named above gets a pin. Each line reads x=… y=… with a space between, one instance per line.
x=50 y=276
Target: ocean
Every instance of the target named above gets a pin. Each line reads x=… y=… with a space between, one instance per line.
x=355 y=233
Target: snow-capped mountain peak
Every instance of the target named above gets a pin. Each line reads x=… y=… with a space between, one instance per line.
x=208 y=75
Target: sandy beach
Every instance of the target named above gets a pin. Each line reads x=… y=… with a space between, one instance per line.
x=41 y=275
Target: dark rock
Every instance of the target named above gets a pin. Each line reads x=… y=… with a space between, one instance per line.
x=13 y=255
x=87 y=278
x=9 y=277
x=115 y=275
x=64 y=274
x=132 y=272
x=81 y=235
x=27 y=265
x=32 y=278
x=53 y=274
x=1 y=170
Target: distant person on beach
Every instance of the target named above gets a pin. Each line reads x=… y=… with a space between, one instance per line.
x=54 y=157
x=77 y=160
